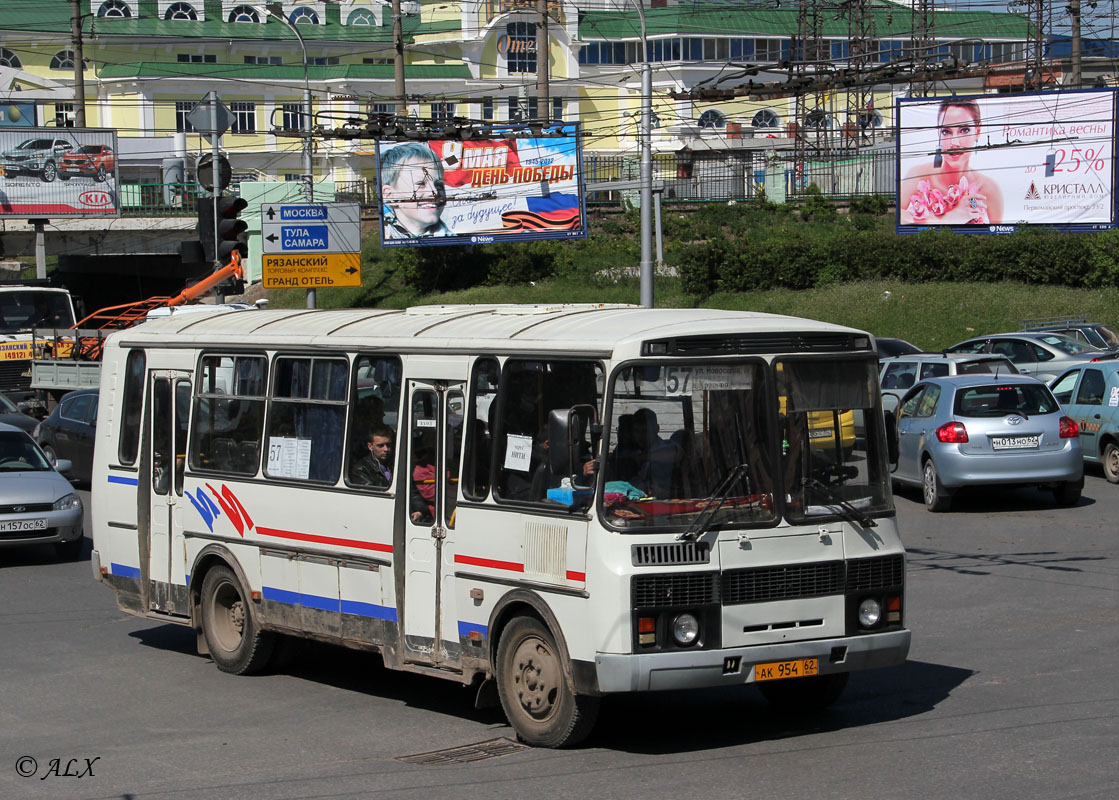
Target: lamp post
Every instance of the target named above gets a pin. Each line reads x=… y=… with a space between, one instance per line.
x=308 y=166
x=645 y=136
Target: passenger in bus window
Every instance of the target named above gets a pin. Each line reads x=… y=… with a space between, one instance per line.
x=422 y=501
x=374 y=468
x=658 y=456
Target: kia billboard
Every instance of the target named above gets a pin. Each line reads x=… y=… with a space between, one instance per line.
x=513 y=186
x=993 y=163
x=58 y=172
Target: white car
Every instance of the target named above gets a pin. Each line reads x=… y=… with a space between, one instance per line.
x=37 y=504
x=898 y=374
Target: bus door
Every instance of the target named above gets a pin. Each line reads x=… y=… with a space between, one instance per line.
x=434 y=448
x=169 y=411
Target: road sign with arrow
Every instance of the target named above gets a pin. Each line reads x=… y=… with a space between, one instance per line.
x=308 y=245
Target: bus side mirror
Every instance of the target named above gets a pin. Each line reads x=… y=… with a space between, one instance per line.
x=569 y=439
x=891 y=421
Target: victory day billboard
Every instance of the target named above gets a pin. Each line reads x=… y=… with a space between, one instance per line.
x=990 y=163
x=58 y=172
x=507 y=188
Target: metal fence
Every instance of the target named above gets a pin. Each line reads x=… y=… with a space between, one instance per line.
x=685 y=177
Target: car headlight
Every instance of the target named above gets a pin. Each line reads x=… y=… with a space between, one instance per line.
x=70 y=502
x=870 y=611
x=685 y=629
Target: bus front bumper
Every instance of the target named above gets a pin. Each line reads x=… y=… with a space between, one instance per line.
x=694 y=669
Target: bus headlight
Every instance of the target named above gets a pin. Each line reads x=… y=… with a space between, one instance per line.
x=870 y=612
x=685 y=629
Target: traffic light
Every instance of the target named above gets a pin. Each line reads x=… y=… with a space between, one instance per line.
x=228 y=229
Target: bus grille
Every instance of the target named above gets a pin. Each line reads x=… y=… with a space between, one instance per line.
x=785 y=582
x=15 y=375
x=868 y=574
x=758 y=343
x=688 y=589
x=659 y=555
x=769 y=584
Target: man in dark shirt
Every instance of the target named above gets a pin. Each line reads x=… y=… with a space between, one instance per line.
x=374 y=468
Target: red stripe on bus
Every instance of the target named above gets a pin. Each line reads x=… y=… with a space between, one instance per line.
x=310 y=537
x=489 y=562
x=576 y=576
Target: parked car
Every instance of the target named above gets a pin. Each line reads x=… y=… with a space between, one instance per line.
x=1040 y=354
x=11 y=415
x=898 y=375
x=1095 y=334
x=92 y=161
x=888 y=348
x=68 y=432
x=980 y=430
x=36 y=157
x=37 y=504
x=1090 y=395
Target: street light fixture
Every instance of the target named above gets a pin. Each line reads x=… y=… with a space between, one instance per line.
x=308 y=166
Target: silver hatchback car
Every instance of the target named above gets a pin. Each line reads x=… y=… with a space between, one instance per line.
x=977 y=430
x=1039 y=354
x=37 y=504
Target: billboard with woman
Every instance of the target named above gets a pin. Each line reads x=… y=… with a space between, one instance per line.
x=991 y=163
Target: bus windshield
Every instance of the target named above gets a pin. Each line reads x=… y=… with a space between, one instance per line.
x=832 y=451
x=21 y=311
x=681 y=434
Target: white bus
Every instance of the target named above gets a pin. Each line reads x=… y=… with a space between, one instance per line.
x=582 y=500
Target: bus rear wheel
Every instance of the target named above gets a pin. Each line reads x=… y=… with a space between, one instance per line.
x=233 y=636
x=536 y=691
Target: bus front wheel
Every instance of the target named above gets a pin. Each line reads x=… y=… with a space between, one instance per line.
x=536 y=691
x=233 y=636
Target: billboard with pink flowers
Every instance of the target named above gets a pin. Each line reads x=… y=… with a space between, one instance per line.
x=514 y=185
x=993 y=163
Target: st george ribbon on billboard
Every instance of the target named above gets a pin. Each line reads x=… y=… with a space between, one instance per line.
x=994 y=163
x=511 y=187
x=58 y=172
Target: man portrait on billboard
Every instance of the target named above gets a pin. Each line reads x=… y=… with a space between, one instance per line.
x=947 y=190
x=413 y=192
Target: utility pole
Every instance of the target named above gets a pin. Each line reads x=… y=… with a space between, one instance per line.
x=1074 y=13
x=398 y=59
x=79 y=63
x=543 y=76
x=923 y=45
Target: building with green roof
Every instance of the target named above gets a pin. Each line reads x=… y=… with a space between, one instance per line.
x=148 y=62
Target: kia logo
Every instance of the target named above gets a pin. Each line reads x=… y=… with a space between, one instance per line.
x=1014 y=420
x=95 y=198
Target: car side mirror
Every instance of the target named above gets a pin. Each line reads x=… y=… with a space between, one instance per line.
x=63 y=465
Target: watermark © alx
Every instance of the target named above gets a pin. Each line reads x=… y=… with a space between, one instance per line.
x=28 y=767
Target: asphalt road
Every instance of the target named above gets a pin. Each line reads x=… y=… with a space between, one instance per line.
x=1010 y=692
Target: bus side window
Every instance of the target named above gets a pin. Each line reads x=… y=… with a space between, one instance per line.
x=530 y=390
x=374 y=407
x=228 y=416
x=134 y=372
x=479 y=428
x=307 y=419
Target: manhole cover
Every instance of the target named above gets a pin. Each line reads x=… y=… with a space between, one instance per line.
x=466 y=753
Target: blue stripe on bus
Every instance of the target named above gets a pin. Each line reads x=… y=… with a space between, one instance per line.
x=328 y=604
x=368 y=610
x=465 y=628
x=125 y=572
x=124 y=480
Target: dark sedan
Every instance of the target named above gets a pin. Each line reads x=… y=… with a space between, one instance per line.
x=68 y=432
x=10 y=414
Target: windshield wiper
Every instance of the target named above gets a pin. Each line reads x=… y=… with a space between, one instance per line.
x=848 y=511
x=700 y=523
